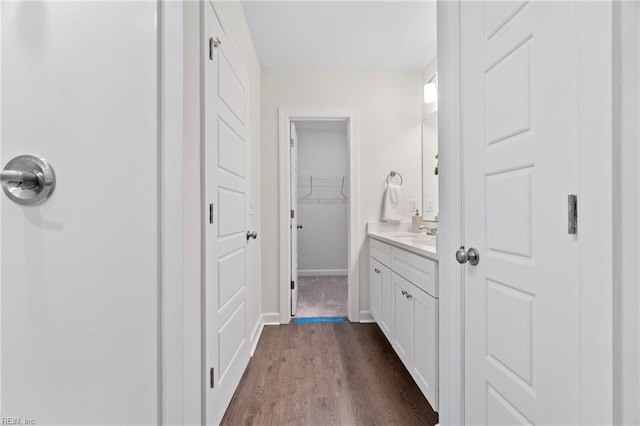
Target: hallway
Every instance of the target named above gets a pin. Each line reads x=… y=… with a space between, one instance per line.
x=327 y=373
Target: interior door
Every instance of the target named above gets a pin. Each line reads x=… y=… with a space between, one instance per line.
x=80 y=282
x=519 y=96
x=294 y=219
x=225 y=213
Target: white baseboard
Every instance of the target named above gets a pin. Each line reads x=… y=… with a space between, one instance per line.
x=255 y=334
x=264 y=319
x=321 y=272
x=365 y=316
x=272 y=318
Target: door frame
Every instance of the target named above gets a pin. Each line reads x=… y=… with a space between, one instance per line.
x=285 y=116
x=595 y=189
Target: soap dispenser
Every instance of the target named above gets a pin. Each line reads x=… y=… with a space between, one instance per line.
x=416 y=221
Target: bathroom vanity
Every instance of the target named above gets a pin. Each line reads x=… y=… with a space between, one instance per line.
x=403 y=273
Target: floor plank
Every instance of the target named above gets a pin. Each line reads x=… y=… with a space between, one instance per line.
x=327 y=374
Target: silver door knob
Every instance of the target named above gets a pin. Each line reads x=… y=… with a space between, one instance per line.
x=472 y=256
x=28 y=180
x=299 y=226
x=253 y=235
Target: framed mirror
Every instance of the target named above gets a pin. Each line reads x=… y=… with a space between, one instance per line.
x=430 y=167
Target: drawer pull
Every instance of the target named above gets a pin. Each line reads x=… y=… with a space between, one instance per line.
x=376 y=270
x=409 y=296
x=404 y=292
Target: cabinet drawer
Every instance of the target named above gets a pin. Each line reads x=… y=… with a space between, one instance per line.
x=418 y=270
x=380 y=251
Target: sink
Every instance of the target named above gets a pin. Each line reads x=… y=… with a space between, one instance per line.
x=422 y=239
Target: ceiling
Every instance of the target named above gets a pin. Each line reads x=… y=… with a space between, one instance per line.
x=343 y=35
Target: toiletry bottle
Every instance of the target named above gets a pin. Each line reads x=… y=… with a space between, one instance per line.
x=416 y=221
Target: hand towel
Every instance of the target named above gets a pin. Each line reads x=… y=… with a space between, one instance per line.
x=392 y=208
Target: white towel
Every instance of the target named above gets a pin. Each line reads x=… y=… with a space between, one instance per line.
x=392 y=208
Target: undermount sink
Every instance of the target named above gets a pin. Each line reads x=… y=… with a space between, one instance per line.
x=423 y=239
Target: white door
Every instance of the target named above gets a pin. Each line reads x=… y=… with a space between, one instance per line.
x=520 y=107
x=225 y=213
x=80 y=282
x=294 y=219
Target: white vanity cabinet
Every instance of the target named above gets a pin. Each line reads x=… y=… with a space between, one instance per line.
x=404 y=303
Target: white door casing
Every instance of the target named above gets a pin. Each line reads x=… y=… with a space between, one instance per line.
x=294 y=219
x=354 y=240
x=225 y=217
x=80 y=273
x=520 y=142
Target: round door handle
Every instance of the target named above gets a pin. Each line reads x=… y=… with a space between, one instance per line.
x=472 y=256
x=253 y=235
x=28 y=180
x=299 y=226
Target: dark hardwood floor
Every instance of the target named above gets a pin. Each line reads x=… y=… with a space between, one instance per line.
x=327 y=373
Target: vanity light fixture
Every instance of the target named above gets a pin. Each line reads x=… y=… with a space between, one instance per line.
x=431 y=90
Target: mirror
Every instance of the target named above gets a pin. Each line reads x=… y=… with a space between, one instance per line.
x=429 y=167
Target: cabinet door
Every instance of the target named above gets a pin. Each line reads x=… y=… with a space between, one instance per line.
x=404 y=324
x=386 y=318
x=375 y=289
x=425 y=359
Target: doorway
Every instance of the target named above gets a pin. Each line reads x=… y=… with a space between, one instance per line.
x=319 y=199
x=318 y=214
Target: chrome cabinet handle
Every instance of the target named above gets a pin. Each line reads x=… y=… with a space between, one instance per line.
x=404 y=292
x=376 y=270
x=28 y=180
x=409 y=296
x=472 y=256
x=299 y=226
x=253 y=235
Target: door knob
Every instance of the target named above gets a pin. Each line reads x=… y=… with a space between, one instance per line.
x=299 y=226
x=472 y=256
x=28 y=180
x=253 y=235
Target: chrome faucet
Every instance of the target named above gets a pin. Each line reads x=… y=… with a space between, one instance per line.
x=429 y=230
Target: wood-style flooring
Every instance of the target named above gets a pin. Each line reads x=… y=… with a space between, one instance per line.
x=327 y=374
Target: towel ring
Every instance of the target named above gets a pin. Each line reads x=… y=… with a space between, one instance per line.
x=394 y=174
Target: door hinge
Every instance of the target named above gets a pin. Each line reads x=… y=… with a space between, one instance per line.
x=573 y=214
x=212 y=382
x=293 y=285
x=211 y=47
x=293 y=214
x=291 y=141
x=210 y=212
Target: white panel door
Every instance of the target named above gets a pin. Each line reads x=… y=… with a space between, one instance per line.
x=80 y=282
x=225 y=195
x=294 y=219
x=520 y=108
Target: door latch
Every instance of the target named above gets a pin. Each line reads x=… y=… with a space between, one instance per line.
x=573 y=214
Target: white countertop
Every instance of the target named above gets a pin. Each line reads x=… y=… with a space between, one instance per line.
x=399 y=235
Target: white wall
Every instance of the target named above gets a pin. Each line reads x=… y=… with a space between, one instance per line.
x=389 y=105
x=238 y=32
x=322 y=242
x=626 y=213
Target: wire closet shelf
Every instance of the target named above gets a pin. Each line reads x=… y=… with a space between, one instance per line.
x=323 y=189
